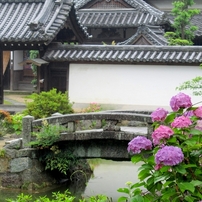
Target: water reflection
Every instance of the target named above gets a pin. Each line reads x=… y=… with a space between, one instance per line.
x=108 y=176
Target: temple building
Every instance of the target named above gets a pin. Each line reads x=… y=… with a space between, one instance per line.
x=97 y=50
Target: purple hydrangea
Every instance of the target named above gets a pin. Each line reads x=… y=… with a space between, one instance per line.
x=162 y=132
x=198 y=112
x=159 y=114
x=180 y=100
x=189 y=113
x=199 y=125
x=169 y=156
x=181 y=122
x=139 y=143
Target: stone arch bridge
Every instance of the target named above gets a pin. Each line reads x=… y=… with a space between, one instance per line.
x=88 y=135
x=94 y=135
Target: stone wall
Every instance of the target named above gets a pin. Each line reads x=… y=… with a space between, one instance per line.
x=20 y=168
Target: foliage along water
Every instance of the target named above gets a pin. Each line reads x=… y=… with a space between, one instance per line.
x=107 y=177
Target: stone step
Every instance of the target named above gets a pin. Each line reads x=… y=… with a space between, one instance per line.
x=25 y=86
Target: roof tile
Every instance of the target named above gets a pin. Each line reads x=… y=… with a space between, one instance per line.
x=124 y=54
x=139 y=13
x=117 y=18
x=154 y=34
x=33 y=21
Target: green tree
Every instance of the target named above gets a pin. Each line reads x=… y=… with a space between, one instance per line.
x=183 y=28
x=34 y=54
x=195 y=85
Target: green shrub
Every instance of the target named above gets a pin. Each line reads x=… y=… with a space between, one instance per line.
x=60 y=197
x=5 y=122
x=47 y=103
x=10 y=123
x=16 y=125
x=48 y=135
x=58 y=160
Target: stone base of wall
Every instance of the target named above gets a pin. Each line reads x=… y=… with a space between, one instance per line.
x=20 y=168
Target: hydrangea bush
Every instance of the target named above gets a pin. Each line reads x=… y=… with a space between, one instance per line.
x=171 y=161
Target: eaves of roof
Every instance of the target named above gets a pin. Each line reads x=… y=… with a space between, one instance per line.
x=154 y=34
x=124 y=54
x=35 y=61
x=140 y=5
x=117 y=18
x=32 y=21
x=139 y=14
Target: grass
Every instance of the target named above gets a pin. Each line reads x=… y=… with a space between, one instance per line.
x=7 y=102
x=29 y=96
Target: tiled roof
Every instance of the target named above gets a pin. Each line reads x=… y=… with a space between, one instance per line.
x=153 y=34
x=32 y=21
x=136 y=4
x=140 y=13
x=21 y=1
x=118 y=18
x=124 y=54
x=81 y=3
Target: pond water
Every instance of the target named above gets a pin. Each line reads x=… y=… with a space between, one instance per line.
x=107 y=177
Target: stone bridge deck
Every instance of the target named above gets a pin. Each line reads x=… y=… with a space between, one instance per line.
x=108 y=140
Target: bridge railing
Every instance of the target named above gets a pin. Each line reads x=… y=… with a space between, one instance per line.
x=112 y=120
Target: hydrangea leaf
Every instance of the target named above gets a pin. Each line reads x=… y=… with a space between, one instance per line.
x=180 y=169
x=137 y=198
x=136 y=158
x=170 y=118
x=186 y=186
x=161 y=178
x=122 y=198
x=189 y=198
x=196 y=182
x=144 y=174
x=138 y=184
x=195 y=132
x=168 y=193
x=124 y=190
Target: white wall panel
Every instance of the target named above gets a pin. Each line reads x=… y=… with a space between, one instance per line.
x=128 y=86
x=17 y=58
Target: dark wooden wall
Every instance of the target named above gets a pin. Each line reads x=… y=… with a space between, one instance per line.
x=1 y=78
x=58 y=76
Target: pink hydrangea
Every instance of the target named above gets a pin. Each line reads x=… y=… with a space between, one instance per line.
x=162 y=132
x=159 y=114
x=180 y=100
x=139 y=143
x=181 y=122
x=198 y=112
x=169 y=156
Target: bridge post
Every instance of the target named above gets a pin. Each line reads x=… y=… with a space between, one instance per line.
x=26 y=130
x=150 y=130
x=71 y=126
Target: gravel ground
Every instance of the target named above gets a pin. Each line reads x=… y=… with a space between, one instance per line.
x=16 y=98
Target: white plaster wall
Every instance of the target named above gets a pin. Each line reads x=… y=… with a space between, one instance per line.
x=135 y=87
x=17 y=58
